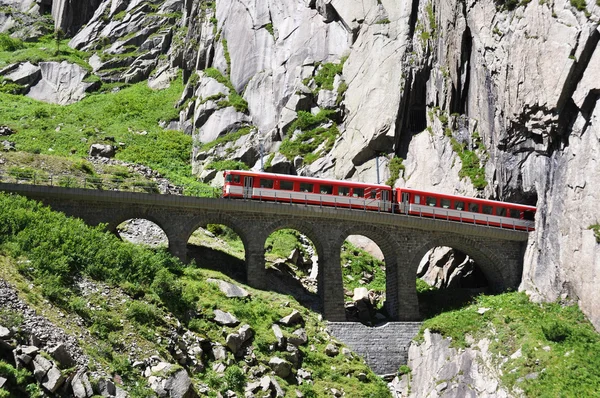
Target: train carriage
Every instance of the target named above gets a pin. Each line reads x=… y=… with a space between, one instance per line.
x=376 y=197
x=307 y=190
x=465 y=209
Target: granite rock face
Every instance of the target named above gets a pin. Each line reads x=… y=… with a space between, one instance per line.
x=439 y=370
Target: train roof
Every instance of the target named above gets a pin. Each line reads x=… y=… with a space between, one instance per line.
x=307 y=179
x=488 y=201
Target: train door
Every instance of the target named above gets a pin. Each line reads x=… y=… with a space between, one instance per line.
x=248 y=183
x=405 y=202
x=384 y=200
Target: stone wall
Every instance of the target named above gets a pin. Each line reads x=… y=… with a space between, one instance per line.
x=384 y=348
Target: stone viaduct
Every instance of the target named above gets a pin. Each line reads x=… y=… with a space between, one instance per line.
x=404 y=240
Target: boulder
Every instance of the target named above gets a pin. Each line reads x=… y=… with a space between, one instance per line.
x=221 y=122
x=53 y=379
x=281 y=341
x=360 y=293
x=62 y=356
x=5 y=333
x=102 y=150
x=2 y=382
x=61 y=83
x=179 y=385
x=292 y=319
x=225 y=318
x=282 y=368
x=8 y=146
x=41 y=366
x=81 y=386
x=298 y=337
x=229 y=289
x=331 y=350
x=5 y=130
x=25 y=74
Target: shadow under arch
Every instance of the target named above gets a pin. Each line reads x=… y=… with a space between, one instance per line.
x=230 y=265
x=486 y=260
x=287 y=284
x=382 y=239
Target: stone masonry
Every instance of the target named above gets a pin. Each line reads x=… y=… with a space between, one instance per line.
x=384 y=348
x=404 y=240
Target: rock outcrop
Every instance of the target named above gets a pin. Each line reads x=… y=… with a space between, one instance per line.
x=439 y=370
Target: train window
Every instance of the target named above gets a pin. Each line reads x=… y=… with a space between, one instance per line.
x=417 y=199
x=287 y=185
x=445 y=203
x=326 y=189
x=266 y=183
x=459 y=205
x=486 y=209
x=358 y=192
x=514 y=213
x=431 y=201
x=501 y=211
x=343 y=191
x=373 y=194
x=306 y=187
x=232 y=178
x=474 y=207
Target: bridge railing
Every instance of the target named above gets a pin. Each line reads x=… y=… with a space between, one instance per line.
x=106 y=183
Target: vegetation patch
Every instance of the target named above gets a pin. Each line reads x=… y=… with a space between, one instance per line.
x=311 y=137
x=229 y=137
x=48 y=48
x=395 y=167
x=556 y=341
x=473 y=161
x=326 y=75
x=356 y=264
x=227 y=164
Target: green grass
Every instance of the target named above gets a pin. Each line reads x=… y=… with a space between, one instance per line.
x=311 y=136
x=100 y=117
x=227 y=164
x=326 y=74
x=14 y=50
x=149 y=294
x=356 y=262
x=569 y=368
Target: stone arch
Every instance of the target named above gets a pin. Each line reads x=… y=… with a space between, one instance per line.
x=215 y=218
x=381 y=237
x=302 y=227
x=487 y=261
x=140 y=214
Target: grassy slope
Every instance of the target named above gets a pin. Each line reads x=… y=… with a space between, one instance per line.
x=557 y=342
x=148 y=292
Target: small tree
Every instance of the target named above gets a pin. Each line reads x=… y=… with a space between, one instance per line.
x=58 y=36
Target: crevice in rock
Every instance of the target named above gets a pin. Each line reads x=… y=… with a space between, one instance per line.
x=459 y=99
x=566 y=108
x=414 y=13
x=412 y=114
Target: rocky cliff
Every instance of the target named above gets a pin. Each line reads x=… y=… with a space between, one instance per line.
x=497 y=99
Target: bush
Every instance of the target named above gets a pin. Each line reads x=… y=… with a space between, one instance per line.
x=556 y=331
x=8 y=43
x=228 y=164
x=235 y=379
x=395 y=167
x=143 y=313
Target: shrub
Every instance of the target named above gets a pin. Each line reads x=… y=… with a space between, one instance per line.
x=8 y=43
x=227 y=164
x=142 y=312
x=395 y=167
x=556 y=331
x=596 y=229
x=235 y=379
x=404 y=369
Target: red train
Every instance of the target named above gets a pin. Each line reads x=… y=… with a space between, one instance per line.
x=356 y=195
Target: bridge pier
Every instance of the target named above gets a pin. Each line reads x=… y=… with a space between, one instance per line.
x=178 y=248
x=255 y=267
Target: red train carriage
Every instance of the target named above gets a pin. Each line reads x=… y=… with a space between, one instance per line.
x=306 y=190
x=335 y=193
x=464 y=209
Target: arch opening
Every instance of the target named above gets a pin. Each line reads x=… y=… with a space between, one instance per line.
x=218 y=247
x=292 y=265
x=364 y=280
x=448 y=278
x=142 y=231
